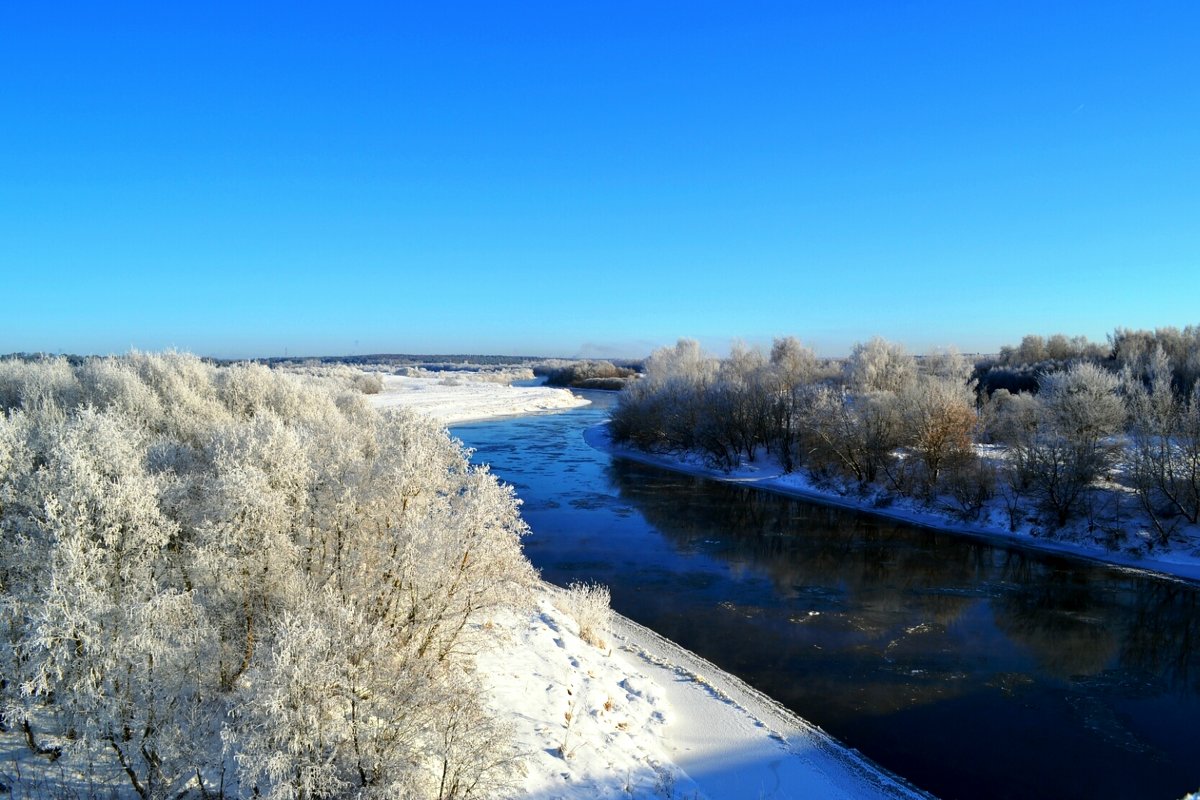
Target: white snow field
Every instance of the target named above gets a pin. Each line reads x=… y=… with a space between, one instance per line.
x=454 y=397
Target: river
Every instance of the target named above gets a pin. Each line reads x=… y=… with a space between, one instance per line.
x=973 y=670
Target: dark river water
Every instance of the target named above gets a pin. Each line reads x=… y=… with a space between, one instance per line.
x=972 y=670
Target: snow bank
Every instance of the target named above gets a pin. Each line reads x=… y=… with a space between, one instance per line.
x=648 y=719
x=455 y=397
x=1178 y=562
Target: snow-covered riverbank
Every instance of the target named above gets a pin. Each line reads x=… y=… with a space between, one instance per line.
x=1178 y=562
x=455 y=397
x=647 y=719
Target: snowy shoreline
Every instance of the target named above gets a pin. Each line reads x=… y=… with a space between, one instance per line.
x=1183 y=566
x=646 y=718
x=842 y=771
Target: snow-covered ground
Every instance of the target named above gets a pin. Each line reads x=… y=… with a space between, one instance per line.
x=1178 y=560
x=454 y=397
x=645 y=718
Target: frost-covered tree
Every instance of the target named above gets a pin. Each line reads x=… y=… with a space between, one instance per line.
x=855 y=436
x=685 y=361
x=737 y=414
x=1082 y=403
x=1164 y=451
x=879 y=366
x=939 y=422
x=793 y=371
x=1032 y=349
x=203 y=566
x=1058 y=348
x=1077 y=412
x=102 y=630
x=947 y=363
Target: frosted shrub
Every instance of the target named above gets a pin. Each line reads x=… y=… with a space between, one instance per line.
x=588 y=605
x=32 y=383
x=369 y=382
x=588 y=374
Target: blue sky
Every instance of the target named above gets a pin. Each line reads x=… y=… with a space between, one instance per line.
x=569 y=178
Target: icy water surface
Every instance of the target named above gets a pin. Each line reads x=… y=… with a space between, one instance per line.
x=974 y=671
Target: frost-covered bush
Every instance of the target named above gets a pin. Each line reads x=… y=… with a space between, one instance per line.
x=369 y=382
x=588 y=605
x=589 y=375
x=1008 y=418
x=30 y=383
x=233 y=577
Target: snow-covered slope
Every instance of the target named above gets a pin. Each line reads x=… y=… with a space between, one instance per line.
x=645 y=718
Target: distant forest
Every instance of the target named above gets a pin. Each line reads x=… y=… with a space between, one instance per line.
x=376 y=359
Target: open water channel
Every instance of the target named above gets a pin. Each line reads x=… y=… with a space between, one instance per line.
x=973 y=670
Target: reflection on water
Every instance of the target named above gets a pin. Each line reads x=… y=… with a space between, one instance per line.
x=972 y=670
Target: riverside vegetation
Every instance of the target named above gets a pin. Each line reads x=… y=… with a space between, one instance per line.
x=1061 y=434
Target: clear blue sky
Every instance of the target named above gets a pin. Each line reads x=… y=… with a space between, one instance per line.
x=593 y=178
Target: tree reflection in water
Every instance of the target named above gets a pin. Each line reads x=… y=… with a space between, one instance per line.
x=863 y=617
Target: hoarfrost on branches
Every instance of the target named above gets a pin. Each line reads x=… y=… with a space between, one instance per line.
x=237 y=579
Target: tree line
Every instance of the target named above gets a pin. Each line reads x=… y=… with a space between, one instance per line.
x=587 y=374
x=1087 y=427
